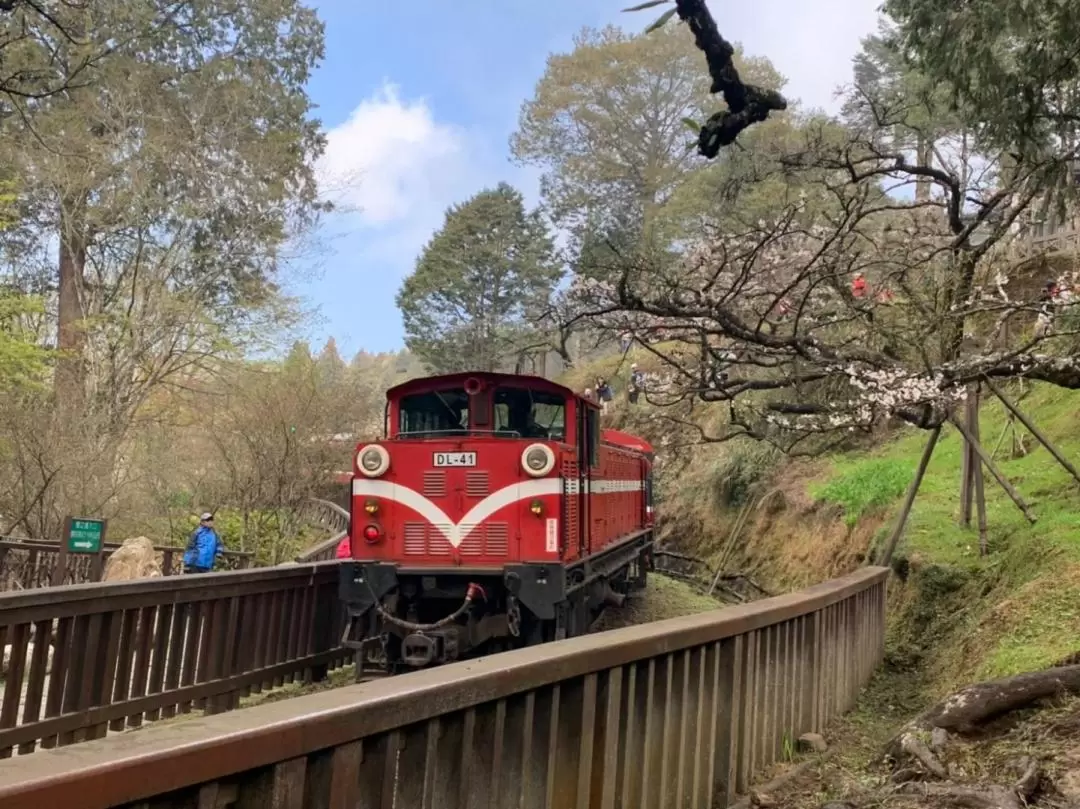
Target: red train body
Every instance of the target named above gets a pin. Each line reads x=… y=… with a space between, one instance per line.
x=496 y=513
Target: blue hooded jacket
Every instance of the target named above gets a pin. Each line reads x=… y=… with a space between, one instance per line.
x=203 y=548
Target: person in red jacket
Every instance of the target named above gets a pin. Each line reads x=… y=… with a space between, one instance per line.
x=344 y=549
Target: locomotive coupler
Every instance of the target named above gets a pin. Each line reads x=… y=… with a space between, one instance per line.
x=420 y=649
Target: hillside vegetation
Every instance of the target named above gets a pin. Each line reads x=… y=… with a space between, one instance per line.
x=956 y=615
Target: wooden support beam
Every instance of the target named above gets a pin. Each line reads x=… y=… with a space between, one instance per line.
x=1000 y=478
x=909 y=498
x=1042 y=439
x=977 y=472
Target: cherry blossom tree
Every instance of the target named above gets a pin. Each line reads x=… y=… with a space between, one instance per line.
x=853 y=301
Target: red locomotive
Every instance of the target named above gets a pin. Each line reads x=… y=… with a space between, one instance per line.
x=496 y=514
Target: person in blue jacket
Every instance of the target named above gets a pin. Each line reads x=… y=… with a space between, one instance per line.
x=204 y=547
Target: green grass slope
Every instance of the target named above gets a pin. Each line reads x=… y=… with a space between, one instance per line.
x=1016 y=609
x=955 y=616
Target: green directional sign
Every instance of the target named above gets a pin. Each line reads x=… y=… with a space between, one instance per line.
x=85 y=536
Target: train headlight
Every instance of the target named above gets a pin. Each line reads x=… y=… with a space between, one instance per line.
x=373 y=461
x=371 y=507
x=537 y=460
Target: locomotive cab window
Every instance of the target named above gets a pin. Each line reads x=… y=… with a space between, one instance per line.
x=524 y=413
x=443 y=412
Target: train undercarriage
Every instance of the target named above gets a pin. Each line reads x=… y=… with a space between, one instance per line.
x=402 y=618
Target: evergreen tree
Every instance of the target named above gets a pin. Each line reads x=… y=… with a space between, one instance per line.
x=480 y=285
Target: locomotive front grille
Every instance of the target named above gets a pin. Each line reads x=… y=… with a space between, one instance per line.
x=497 y=539
x=434 y=484
x=422 y=539
x=492 y=539
x=415 y=539
x=477 y=484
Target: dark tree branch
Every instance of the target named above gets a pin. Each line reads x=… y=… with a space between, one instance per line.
x=747 y=104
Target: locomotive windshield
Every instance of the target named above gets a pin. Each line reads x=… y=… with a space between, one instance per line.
x=517 y=413
x=528 y=413
x=442 y=412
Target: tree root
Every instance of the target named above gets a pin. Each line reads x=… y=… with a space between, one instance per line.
x=989 y=796
x=912 y=747
x=963 y=711
x=914 y=753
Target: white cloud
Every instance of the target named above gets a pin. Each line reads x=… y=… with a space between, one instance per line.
x=391 y=161
x=811 y=43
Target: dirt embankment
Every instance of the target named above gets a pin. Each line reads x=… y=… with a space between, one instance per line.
x=955 y=617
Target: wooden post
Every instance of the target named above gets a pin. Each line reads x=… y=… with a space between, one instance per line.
x=1042 y=439
x=980 y=510
x=61 y=555
x=1004 y=431
x=98 y=565
x=1000 y=478
x=977 y=472
x=964 y=517
x=970 y=467
x=909 y=498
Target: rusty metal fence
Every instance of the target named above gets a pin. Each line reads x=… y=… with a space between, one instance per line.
x=680 y=713
x=88 y=659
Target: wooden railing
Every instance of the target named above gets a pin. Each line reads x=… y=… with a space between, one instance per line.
x=90 y=658
x=1042 y=239
x=332 y=517
x=26 y=564
x=680 y=713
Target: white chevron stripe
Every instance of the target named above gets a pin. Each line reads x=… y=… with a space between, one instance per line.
x=455 y=533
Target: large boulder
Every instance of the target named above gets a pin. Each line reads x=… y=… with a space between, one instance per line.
x=134 y=559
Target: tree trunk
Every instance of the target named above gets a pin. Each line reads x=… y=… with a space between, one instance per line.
x=923 y=154
x=71 y=305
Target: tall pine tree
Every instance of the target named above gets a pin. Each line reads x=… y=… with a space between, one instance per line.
x=480 y=285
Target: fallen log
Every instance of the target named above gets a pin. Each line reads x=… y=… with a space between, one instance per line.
x=972 y=705
x=964 y=710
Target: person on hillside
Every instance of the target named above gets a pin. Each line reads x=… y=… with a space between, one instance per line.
x=1044 y=322
x=344 y=549
x=636 y=384
x=204 y=547
x=603 y=393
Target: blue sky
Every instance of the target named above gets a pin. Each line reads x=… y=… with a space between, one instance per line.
x=419 y=100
